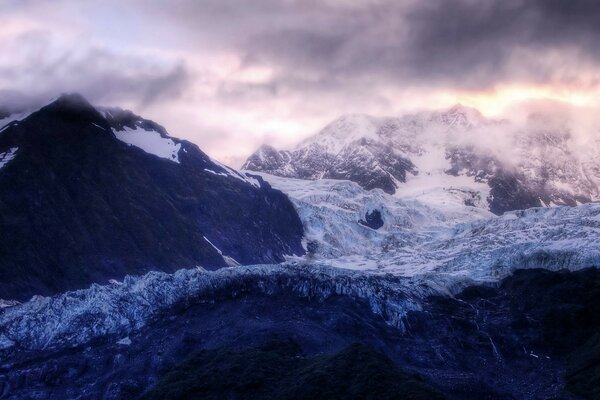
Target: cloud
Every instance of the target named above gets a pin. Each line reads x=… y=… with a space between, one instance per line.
x=39 y=64
x=280 y=69
x=455 y=43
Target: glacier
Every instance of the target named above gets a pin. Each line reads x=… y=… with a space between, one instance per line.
x=118 y=309
x=435 y=234
x=424 y=248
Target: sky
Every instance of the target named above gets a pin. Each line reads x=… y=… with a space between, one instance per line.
x=232 y=75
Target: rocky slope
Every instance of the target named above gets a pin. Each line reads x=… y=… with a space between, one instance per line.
x=502 y=166
x=88 y=195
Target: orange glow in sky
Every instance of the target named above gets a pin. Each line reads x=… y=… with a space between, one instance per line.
x=496 y=101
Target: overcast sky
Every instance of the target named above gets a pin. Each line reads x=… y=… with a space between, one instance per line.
x=231 y=75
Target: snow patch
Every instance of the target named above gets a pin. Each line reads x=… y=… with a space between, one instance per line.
x=8 y=156
x=126 y=341
x=230 y=172
x=215 y=247
x=151 y=142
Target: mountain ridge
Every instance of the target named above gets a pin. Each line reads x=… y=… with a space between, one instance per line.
x=85 y=201
x=535 y=165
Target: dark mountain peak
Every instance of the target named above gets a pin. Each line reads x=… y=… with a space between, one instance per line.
x=88 y=195
x=72 y=109
x=70 y=102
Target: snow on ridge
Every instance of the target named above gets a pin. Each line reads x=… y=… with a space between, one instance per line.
x=344 y=130
x=230 y=172
x=14 y=119
x=8 y=156
x=214 y=247
x=151 y=142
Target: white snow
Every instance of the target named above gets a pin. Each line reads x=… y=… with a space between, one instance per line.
x=433 y=186
x=230 y=172
x=5 y=122
x=151 y=142
x=216 y=173
x=228 y=260
x=215 y=247
x=442 y=240
x=8 y=303
x=344 y=130
x=8 y=156
x=126 y=341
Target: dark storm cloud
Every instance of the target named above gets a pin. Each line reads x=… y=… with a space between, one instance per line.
x=471 y=39
x=333 y=45
x=459 y=43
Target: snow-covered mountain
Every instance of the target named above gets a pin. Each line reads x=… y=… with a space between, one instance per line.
x=426 y=245
x=91 y=194
x=497 y=164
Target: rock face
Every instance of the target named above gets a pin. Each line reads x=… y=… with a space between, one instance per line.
x=372 y=219
x=360 y=157
x=504 y=166
x=89 y=195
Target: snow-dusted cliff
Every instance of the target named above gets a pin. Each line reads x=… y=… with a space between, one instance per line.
x=502 y=165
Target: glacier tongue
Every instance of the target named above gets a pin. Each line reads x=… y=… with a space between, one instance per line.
x=117 y=309
x=431 y=235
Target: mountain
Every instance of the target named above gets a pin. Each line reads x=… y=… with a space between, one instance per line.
x=498 y=165
x=90 y=194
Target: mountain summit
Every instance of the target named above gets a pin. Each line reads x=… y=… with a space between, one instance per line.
x=91 y=194
x=492 y=164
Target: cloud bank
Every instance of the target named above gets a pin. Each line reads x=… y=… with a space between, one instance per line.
x=230 y=75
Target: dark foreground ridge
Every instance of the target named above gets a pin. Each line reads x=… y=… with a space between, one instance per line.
x=78 y=205
x=534 y=336
x=279 y=371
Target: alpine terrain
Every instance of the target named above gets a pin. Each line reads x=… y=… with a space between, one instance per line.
x=381 y=259
x=493 y=164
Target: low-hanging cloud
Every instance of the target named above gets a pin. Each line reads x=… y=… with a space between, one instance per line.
x=36 y=67
x=190 y=63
